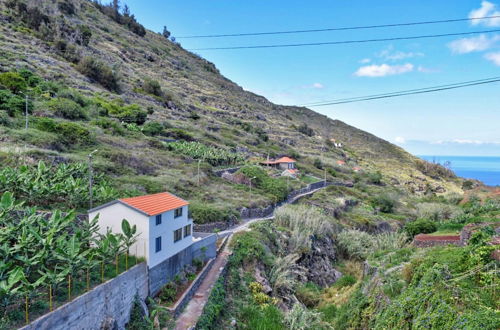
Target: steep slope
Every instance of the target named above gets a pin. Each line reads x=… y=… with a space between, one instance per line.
x=107 y=56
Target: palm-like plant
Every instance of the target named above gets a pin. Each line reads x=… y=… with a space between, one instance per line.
x=129 y=237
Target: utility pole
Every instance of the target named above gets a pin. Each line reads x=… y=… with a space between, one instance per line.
x=199 y=161
x=26 y=111
x=250 y=197
x=91 y=176
x=323 y=161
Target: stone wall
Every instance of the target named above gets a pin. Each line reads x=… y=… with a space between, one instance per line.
x=423 y=240
x=109 y=302
x=164 y=272
x=226 y=170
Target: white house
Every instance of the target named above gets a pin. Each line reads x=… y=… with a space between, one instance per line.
x=162 y=224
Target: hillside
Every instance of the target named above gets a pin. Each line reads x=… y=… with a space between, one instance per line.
x=128 y=89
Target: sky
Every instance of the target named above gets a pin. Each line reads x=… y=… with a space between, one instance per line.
x=456 y=122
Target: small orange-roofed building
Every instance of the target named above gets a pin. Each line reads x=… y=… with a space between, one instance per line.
x=163 y=226
x=284 y=163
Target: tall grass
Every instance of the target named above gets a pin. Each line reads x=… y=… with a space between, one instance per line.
x=303 y=222
x=359 y=245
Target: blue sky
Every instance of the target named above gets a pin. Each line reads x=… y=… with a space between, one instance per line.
x=458 y=122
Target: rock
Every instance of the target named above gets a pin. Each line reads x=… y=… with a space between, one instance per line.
x=318 y=262
x=260 y=117
x=266 y=288
x=109 y=324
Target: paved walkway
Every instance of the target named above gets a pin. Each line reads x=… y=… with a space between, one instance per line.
x=193 y=311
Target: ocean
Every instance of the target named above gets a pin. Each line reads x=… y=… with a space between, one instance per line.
x=485 y=169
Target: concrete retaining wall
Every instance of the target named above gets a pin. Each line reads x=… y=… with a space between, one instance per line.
x=111 y=302
x=164 y=272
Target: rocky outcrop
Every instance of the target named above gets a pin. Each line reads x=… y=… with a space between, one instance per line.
x=319 y=261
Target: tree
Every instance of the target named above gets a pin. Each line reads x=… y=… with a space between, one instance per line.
x=166 y=33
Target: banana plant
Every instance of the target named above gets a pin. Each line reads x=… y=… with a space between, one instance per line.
x=129 y=238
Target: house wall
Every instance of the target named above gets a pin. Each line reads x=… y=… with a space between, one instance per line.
x=111 y=217
x=166 y=231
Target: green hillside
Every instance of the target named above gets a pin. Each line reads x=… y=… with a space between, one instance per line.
x=98 y=80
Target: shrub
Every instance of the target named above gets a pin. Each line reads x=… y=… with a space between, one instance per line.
x=384 y=203
x=318 y=163
x=214 y=306
x=346 y=280
x=152 y=87
x=99 y=72
x=300 y=318
x=438 y=211
x=467 y=185
x=85 y=34
x=273 y=186
x=67 y=108
x=204 y=213
x=13 y=104
x=374 y=177
x=308 y=294
x=355 y=244
x=70 y=134
x=13 y=81
x=168 y=293
x=179 y=134
x=306 y=130
x=420 y=226
x=152 y=128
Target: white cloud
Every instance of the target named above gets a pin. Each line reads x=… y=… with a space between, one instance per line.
x=474 y=44
x=383 y=70
x=400 y=139
x=487 y=9
x=318 y=85
x=365 y=61
x=390 y=54
x=423 y=69
x=493 y=57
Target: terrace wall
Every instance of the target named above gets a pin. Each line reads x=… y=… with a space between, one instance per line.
x=109 y=303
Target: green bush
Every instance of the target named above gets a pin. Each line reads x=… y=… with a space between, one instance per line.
x=152 y=87
x=272 y=186
x=306 y=130
x=384 y=203
x=129 y=114
x=67 y=108
x=14 y=104
x=168 y=293
x=346 y=280
x=420 y=226
x=318 y=163
x=13 y=81
x=214 y=306
x=179 y=134
x=99 y=72
x=70 y=134
x=308 y=294
x=374 y=177
x=152 y=128
x=204 y=213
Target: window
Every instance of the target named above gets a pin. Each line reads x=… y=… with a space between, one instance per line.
x=158 y=219
x=177 y=235
x=158 y=244
x=178 y=212
x=187 y=230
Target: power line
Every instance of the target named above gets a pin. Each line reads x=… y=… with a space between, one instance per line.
x=337 y=28
x=407 y=92
x=403 y=91
x=348 y=41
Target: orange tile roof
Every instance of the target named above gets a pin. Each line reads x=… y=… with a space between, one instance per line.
x=156 y=203
x=285 y=160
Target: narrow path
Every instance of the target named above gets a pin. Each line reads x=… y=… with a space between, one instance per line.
x=193 y=311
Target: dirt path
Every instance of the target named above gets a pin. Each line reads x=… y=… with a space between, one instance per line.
x=192 y=312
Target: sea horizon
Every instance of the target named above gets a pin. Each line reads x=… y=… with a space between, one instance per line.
x=482 y=168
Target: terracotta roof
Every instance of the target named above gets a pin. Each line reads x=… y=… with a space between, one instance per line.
x=285 y=160
x=156 y=203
